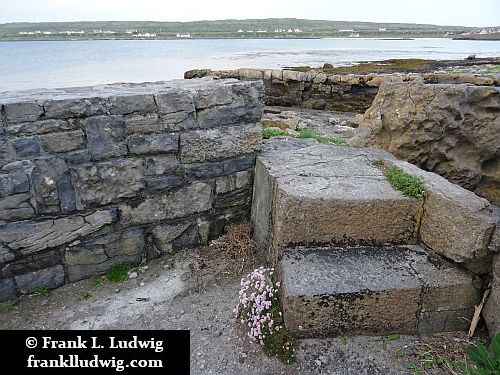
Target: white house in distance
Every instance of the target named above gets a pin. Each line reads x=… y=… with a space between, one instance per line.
x=183 y=35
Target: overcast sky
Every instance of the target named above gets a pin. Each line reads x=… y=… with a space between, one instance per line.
x=441 y=12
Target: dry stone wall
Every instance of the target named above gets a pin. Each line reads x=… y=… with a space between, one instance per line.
x=93 y=177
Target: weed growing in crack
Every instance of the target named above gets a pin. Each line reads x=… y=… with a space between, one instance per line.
x=42 y=291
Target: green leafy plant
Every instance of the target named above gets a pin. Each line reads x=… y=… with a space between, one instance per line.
x=98 y=281
x=392 y=337
x=269 y=132
x=484 y=361
x=86 y=295
x=8 y=305
x=259 y=309
x=378 y=162
x=117 y=273
x=42 y=291
x=406 y=183
x=343 y=340
x=312 y=134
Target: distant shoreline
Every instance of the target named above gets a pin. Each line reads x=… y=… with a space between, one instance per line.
x=213 y=38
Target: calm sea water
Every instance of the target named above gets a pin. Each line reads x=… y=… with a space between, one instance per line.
x=26 y=65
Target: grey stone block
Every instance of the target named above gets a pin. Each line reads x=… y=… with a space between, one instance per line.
x=153 y=143
x=238 y=180
x=456 y=223
x=6 y=255
x=108 y=181
x=236 y=113
x=174 y=100
x=16 y=207
x=149 y=123
x=125 y=104
x=163 y=235
x=13 y=183
x=105 y=136
x=233 y=199
x=7 y=289
x=6 y=153
x=239 y=164
x=21 y=112
x=324 y=194
x=63 y=142
x=79 y=107
x=27 y=147
x=78 y=157
x=95 y=256
x=181 y=203
x=163 y=164
x=216 y=144
x=178 y=121
x=203 y=171
x=41 y=127
x=213 y=95
x=164 y=183
x=491 y=311
x=494 y=245
x=28 y=237
x=50 y=278
x=369 y=291
x=52 y=186
x=32 y=262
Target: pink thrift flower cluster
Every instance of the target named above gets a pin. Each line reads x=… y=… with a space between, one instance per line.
x=256 y=298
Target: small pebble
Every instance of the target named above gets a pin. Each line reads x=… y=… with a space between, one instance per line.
x=118 y=290
x=133 y=275
x=142 y=284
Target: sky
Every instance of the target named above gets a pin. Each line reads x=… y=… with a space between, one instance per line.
x=440 y=12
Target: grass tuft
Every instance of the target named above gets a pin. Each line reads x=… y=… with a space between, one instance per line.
x=409 y=185
x=117 y=273
x=312 y=134
x=7 y=306
x=42 y=291
x=268 y=133
x=98 y=281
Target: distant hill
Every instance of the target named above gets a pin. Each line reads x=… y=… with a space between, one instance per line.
x=251 y=28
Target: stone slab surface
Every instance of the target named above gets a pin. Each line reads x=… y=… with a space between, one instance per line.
x=457 y=223
x=334 y=291
x=327 y=194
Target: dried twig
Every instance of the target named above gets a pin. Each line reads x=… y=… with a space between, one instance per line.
x=477 y=312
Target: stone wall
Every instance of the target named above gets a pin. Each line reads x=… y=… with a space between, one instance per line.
x=338 y=92
x=452 y=130
x=97 y=176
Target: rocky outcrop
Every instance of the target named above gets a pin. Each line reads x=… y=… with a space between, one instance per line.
x=322 y=89
x=92 y=177
x=310 y=89
x=453 y=130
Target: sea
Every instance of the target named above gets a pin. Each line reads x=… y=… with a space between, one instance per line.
x=51 y=64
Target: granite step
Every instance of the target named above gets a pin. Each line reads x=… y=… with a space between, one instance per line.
x=332 y=291
x=317 y=194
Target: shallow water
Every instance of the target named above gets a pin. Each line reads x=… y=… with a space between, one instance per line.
x=52 y=64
